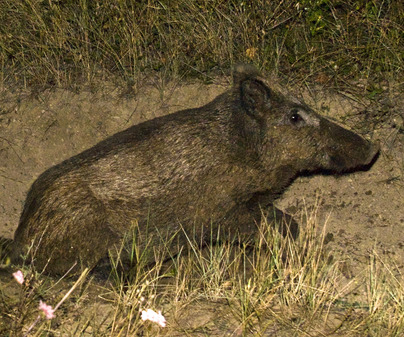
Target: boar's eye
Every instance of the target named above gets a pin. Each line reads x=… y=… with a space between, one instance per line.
x=295 y=118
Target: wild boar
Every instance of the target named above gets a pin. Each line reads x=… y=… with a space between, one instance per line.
x=196 y=170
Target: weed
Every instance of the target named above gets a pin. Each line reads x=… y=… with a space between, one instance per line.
x=47 y=43
x=275 y=284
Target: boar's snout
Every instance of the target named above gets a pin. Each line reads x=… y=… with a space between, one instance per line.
x=345 y=149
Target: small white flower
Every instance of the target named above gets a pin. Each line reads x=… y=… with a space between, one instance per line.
x=153 y=316
x=19 y=276
x=47 y=310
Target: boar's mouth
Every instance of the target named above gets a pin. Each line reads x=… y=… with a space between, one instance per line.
x=346 y=150
x=339 y=163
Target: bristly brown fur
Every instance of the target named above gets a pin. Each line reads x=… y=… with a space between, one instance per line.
x=188 y=173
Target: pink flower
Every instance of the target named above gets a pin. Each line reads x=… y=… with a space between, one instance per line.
x=153 y=316
x=47 y=309
x=19 y=277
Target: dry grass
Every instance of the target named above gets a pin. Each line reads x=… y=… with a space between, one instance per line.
x=291 y=287
x=64 y=43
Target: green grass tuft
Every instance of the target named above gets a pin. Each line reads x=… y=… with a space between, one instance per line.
x=62 y=43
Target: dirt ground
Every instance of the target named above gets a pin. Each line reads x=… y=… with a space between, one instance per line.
x=363 y=211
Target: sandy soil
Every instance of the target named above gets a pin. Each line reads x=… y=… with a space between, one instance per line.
x=362 y=211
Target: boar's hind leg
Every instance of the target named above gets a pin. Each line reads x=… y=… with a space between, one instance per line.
x=76 y=234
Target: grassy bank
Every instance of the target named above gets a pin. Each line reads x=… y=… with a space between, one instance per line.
x=292 y=288
x=47 y=43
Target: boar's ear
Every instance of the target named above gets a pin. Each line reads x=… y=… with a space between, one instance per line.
x=255 y=97
x=242 y=71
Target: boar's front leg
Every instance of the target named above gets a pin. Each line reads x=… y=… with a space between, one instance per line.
x=261 y=204
x=244 y=219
